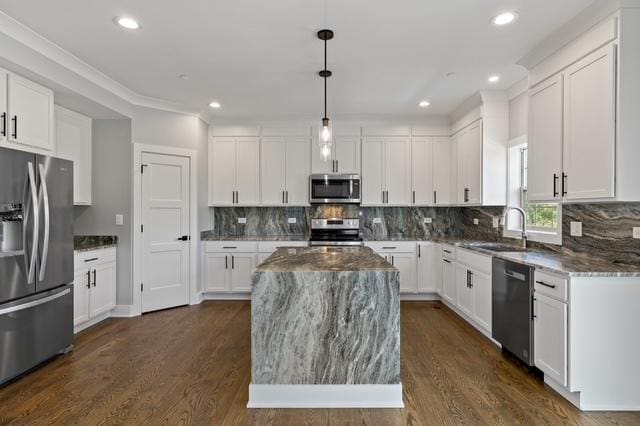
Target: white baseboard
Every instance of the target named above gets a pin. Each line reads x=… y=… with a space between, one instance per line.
x=197 y=299
x=572 y=397
x=419 y=297
x=225 y=296
x=123 y=311
x=325 y=396
x=78 y=328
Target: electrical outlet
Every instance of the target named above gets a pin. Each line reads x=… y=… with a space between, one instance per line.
x=292 y=220
x=427 y=220
x=377 y=220
x=119 y=219
x=576 y=229
x=496 y=221
x=476 y=221
x=636 y=232
x=242 y=220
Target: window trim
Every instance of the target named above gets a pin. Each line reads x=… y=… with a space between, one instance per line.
x=533 y=234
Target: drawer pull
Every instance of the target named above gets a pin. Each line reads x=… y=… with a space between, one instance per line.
x=546 y=284
x=445 y=260
x=228 y=248
x=389 y=248
x=447 y=251
x=93 y=259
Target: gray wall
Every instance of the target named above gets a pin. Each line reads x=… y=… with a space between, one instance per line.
x=111 y=196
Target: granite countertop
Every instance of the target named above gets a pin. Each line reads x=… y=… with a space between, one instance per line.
x=213 y=237
x=325 y=259
x=94 y=242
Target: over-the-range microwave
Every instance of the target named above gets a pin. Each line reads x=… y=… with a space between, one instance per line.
x=334 y=188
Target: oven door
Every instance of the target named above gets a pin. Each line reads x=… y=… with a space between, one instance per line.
x=334 y=189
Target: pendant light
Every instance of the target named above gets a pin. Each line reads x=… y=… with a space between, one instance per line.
x=325 y=134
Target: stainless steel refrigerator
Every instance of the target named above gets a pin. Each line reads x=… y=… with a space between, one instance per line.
x=36 y=260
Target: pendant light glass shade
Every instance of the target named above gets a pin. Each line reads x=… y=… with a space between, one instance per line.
x=325 y=139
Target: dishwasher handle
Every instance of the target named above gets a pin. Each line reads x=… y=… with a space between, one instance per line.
x=515 y=275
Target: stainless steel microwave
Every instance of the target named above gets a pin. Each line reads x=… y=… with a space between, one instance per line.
x=336 y=188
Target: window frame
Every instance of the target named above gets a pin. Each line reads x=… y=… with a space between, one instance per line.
x=543 y=235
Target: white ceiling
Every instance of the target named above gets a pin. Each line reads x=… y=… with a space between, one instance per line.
x=259 y=58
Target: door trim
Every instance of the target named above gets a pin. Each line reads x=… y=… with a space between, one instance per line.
x=138 y=150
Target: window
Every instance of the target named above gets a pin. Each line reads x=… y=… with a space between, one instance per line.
x=544 y=220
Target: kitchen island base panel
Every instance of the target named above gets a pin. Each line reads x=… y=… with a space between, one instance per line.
x=325 y=396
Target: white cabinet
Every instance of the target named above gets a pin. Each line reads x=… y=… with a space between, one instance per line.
x=4 y=114
x=29 y=115
x=470 y=164
x=94 y=286
x=344 y=158
x=550 y=337
x=464 y=290
x=216 y=266
x=422 y=172
x=73 y=142
x=242 y=266
x=234 y=164
x=427 y=279
x=228 y=265
x=442 y=171
x=285 y=169
x=482 y=299
x=386 y=171
x=572 y=131
x=402 y=255
x=449 y=280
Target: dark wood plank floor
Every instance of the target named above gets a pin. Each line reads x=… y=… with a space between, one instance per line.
x=191 y=365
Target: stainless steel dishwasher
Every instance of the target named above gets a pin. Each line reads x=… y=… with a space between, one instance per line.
x=512 y=310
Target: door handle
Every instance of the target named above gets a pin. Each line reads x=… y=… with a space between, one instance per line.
x=15 y=127
x=555 y=185
x=184 y=238
x=36 y=221
x=34 y=303
x=88 y=279
x=564 y=184
x=44 y=192
x=4 y=124
x=533 y=308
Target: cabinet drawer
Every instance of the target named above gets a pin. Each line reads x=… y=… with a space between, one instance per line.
x=231 y=246
x=271 y=246
x=92 y=257
x=392 y=246
x=448 y=252
x=551 y=285
x=476 y=261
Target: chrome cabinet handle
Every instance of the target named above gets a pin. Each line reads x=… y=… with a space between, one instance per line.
x=545 y=284
x=47 y=221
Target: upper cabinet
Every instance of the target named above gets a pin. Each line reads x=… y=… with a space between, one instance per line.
x=27 y=118
x=344 y=158
x=73 y=142
x=470 y=164
x=422 y=193
x=386 y=171
x=234 y=171
x=285 y=169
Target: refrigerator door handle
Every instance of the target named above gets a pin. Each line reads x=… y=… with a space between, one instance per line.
x=36 y=222
x=34 y=303
x=47 y=222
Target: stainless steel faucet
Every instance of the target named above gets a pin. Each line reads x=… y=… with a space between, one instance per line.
x=524 y=222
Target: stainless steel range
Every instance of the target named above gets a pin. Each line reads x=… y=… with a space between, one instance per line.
x=335 y=232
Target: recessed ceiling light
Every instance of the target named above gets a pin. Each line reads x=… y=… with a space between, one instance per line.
x=126 y=22
x=424 y=104
x=494 y=79
x=504 y=18
x=214 y=104
x=184 y=76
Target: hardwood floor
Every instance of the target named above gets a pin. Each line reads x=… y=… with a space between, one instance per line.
x=191 y=365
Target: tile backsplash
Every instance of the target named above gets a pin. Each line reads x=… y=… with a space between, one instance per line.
x=607 y=228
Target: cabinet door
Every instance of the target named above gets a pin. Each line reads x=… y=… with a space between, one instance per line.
x=347 y=154
x=449 y=281
x=319 y=164
x=397 y=171
x=81 y=280
x=216 y=272
x=103 y=289
x=372 y=171
x=73 y=142
x=426 y=268
x=437 y=268
x=441 y=171
x=30 y=114
x=422 y=171
x=222 y=171
x=273 y=171
x=544 y=146
x=247 y=171
x=298 y=158
x=406 y=264
x=470 y=164
x=242 y=266
x=453 y=172
x=4 y=115
x=482 y=299
x=464 y=299
x=589 y=126
x=550 y=337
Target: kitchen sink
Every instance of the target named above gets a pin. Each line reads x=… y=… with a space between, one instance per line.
x=497 y=247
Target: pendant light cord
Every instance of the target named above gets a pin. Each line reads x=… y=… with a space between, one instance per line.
x=325 y=78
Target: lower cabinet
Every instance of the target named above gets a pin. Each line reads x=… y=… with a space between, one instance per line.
x=482 y=299
x=94 y=286
x=449 y=280
x=550 y=337
x=427 y=280
x=464 y=289
x=229 y=272
x=402 y=255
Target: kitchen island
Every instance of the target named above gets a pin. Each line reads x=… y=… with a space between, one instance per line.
x=325 y=329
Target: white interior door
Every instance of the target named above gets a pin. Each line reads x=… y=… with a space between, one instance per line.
x=298 y=159
x=273 y=171
x=165 y=218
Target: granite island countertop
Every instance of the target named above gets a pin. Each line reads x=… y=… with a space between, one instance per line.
x=330 y=259
x=93 y=242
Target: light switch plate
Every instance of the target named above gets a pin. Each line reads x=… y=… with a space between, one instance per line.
x=496 y=221
x=242 y=220
x=427 y=220
x=119 y=219
x=377 y=220
x=476 y=221
x=292 y=220
x=636 y=232
x=576 y=229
